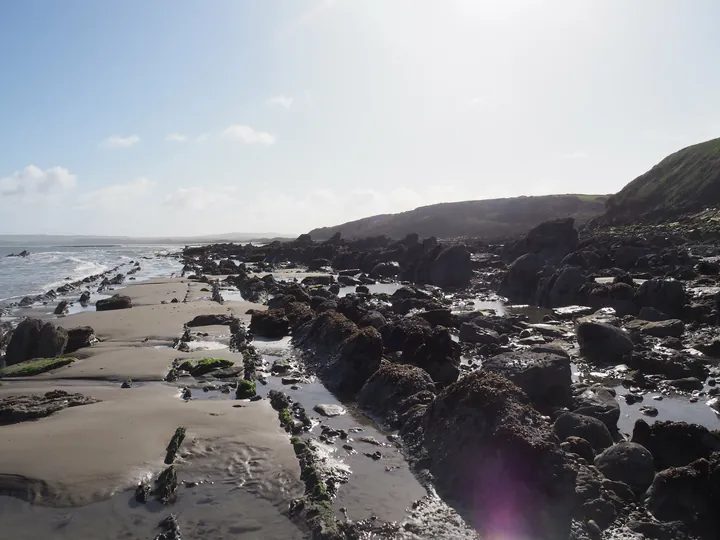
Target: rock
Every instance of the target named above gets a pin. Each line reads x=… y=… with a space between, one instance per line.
x=651 y=314
x=665 y=328
x=688 y=383
x=51 y=341
x=520 y=281
x=551 y=241
x=359 y=357
x=84 y=298
x=433 y=350
x=471 y=333
x=563 y=288
x=628 y=462
x=62 y=308
x=271 y=324
x=545 y=377
x=481 y=434
x=16 y=409
x=452 y=267
x=220 y=319
x=664 y=295
x=675 y=444
x=601 y=342
x=686 y=494
x=384 y=270
x=79 y=337
x=585 y=427
x=24 y=342
x=576 y=445
x=393 y=389
x=654 y=530
x=117 y=301
x=598 y=402
x=647 y=410
x=298 y=314
x=329 y=410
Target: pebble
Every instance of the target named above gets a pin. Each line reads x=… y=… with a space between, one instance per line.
x=649 y=411
x=329 y=410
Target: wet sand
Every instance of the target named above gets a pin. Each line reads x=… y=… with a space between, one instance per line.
x=76 y=465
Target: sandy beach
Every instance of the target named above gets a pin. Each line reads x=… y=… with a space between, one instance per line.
x=101 y=450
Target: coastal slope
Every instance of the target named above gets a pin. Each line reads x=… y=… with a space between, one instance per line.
x=684 y=182
x=489 y=219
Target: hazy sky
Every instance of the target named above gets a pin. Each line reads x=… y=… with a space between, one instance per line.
x=177 y=117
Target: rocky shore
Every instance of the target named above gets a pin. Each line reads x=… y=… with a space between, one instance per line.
x=559 y=386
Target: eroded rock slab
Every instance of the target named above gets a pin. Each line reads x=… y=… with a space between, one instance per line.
x=16 y=409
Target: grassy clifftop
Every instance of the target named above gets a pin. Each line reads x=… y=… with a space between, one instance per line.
x=686 y=181
x=489 y=219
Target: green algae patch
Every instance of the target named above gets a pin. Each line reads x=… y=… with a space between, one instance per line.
x=35 y=367
x=245 y=389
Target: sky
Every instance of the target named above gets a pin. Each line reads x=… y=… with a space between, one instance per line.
x=194 y=117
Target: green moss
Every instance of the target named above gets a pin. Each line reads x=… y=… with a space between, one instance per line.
x=35 y=367
x=286 y=419
x=187 y=365
x=245 y=389
x=206 y=365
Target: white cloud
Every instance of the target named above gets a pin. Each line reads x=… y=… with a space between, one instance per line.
x=117 y=141
x=200 y=198
x=176 y=137
x=573 y=156
x=280 y=101
x=202 y=138
x=475 y=101
x=118 y=195
x=248 y=135
x=32 y=180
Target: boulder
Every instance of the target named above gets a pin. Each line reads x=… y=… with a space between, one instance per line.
x=52 y=341
x=675 y=444
x=384 y=270
x=271 y=324
x=664 y=295
x=493 y=454
x=84 y=298
x=545 y=377
x=359 y=357
x=664 y=328
x=552 y=241
x=602 y=343
x=471 y=333
x=629 y=463
x=393 y=389
x=569 y=425
x=564 y=288
x=24 y=342
x=79 y=337
x=220 y=319
x=598 y=402
x=61 y=308
x=576 y=445
x=651 y=314
x=519 y=283
x=452 y=267
x=116 y=301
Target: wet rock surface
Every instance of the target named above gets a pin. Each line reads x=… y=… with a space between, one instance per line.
x=16 y=409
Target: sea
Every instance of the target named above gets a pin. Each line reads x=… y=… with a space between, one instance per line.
x=49 y=267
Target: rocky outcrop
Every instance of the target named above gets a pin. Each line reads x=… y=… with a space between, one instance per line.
x=393 y=390
x=359 y=357
x=519 y=284
x=663 y=295
x=490 y=451
x=452 y=267
x=544 y=376
x=61 y=308
x=433 y=350
x=564 y=288
x=52 y=341
x=116 y=301
x=16 y=409
x=551 y=241
x=675 y=444
x=271 y=324
x=34 y=339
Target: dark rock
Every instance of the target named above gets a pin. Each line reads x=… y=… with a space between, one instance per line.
x=564 y=288
x=651 y=314
x=601 y=342
x=675 y=444
x=520 y=281
x=84 y=298
x=665 y=328
x=433 y=350
x=79 y=337
x=359 y=357
x=115 y=302
x=594 y=431
x=628 y=462
x=24 y=342
x=598 y=402
x=655 y=530
x=471 y=333
x=663 y=295
x=581 y=447
x=545 y=377
x=220 y=319
x=688 y=383
x=16 y=409
x=62 y=308
x=452 y=267
x=486 y=423
x=51 y=341
x=385 y=270
x=551 y=241
x=389 y=392
x=271 y=324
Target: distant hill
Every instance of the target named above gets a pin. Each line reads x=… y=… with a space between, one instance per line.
x=491 y=219
x=686 y=181
x=88 y=240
